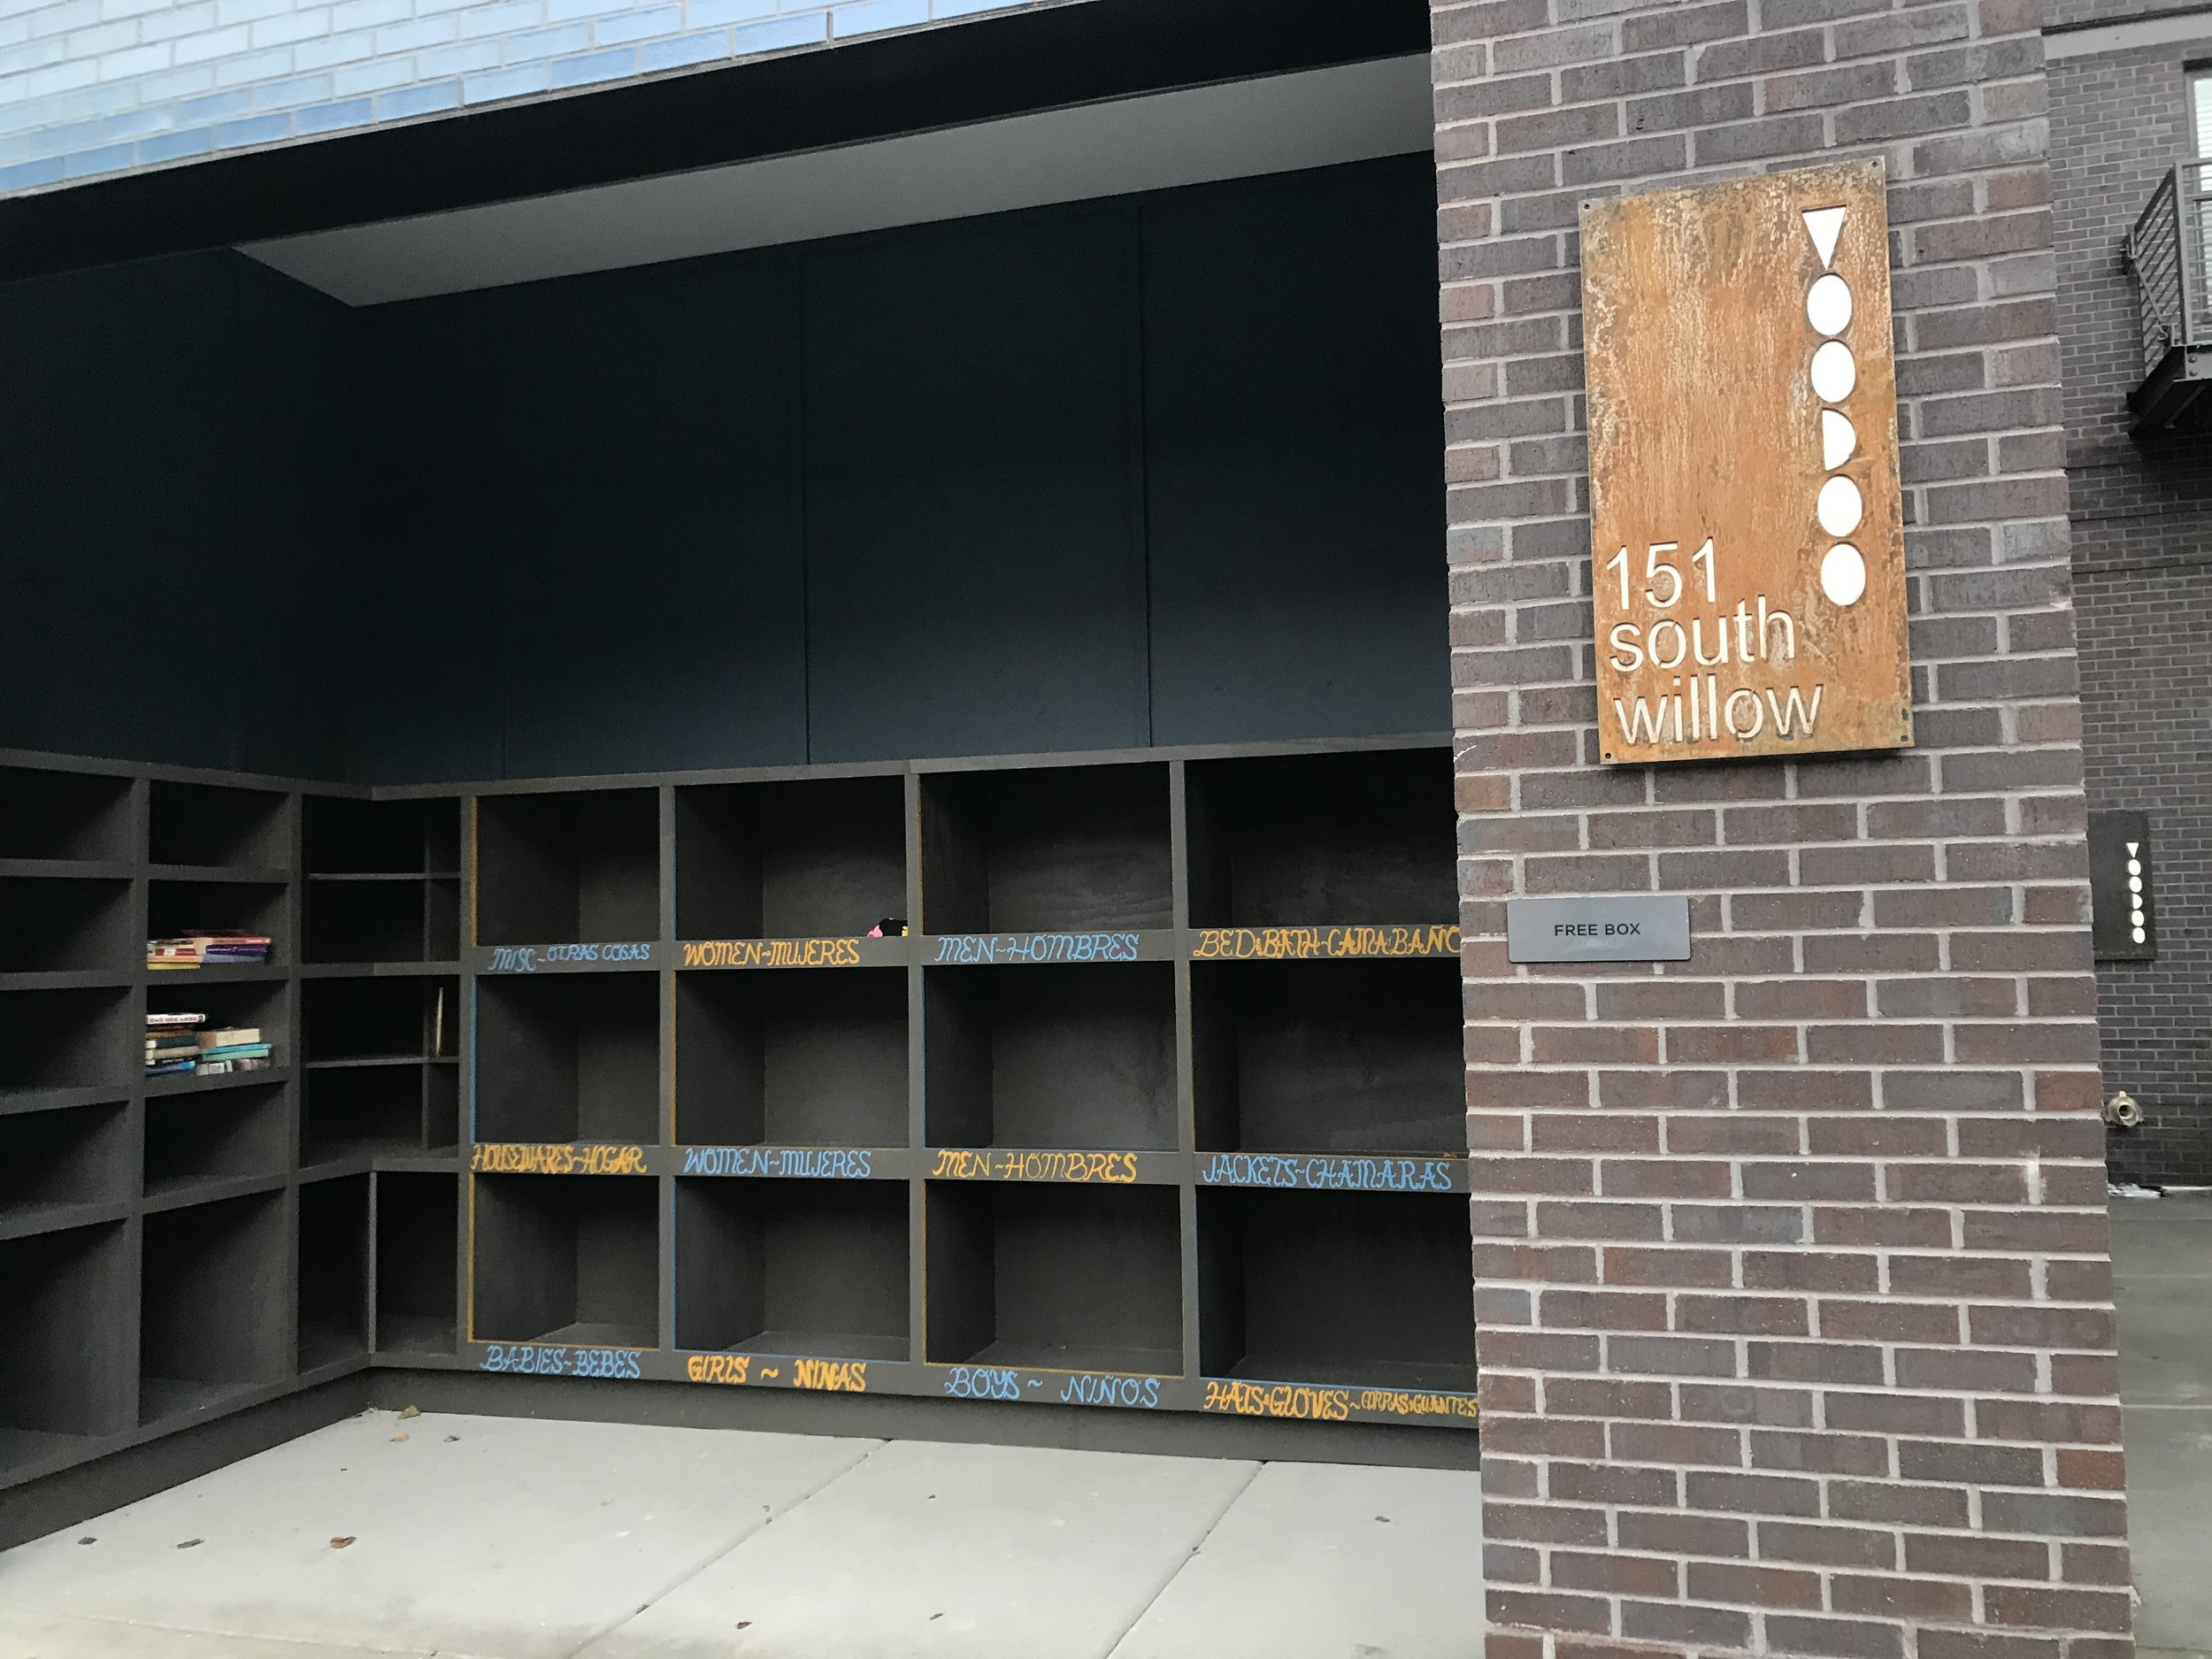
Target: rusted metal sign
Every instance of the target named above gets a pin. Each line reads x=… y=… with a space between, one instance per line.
x=1747 y=541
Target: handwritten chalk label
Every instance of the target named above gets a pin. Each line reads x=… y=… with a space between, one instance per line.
x=1104 y=1389
x=973 y=949
x=530 y=958
x=1406 y=1402
x=1294 y=1401
x=963 y=1163
x=1625 y=927
x=534 y=1158
x=1364 y=1175
x=532 y=1359
x=982 y=1382
x=770 y=953
x=830 y=1376
x=815 y=1163
x=1286 y=944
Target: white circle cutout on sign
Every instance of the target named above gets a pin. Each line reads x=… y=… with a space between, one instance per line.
x=1840 y=507
x=1838 y=439
x=1834 y=373
x=1828 y=305
x=1843 y=574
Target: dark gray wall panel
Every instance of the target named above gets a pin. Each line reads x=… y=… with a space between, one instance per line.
x=1292 y=426
x=168 y=470
x=1157 y=468
x=973 y=495
x=628 y=514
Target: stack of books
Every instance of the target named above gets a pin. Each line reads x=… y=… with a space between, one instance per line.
x=180 y=1042
x=172 y=1043
x=207 y=951
x=237 y=1048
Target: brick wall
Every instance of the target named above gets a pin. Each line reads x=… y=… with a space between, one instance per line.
x=2147 y=702
x=2142 y=533
x=2069 y=14
x=1792 y=1260
x=90 y=87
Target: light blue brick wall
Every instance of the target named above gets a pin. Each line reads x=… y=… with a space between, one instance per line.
x=89 y=89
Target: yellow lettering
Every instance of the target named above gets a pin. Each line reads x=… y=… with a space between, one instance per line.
x=833 y=1376
x=719 y=1368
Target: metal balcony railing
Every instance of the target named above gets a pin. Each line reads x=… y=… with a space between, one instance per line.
x=2167 y=253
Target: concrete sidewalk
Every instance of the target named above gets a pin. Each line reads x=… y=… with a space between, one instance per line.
x=2162 y=1262
x=497 y=1538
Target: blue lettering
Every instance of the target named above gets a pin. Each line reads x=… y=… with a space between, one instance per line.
x=972 y=1382
x=1088 y=1389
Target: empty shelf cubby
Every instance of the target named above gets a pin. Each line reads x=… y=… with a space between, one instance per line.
x=347 y=1111
x=1047 y=848
x=571 y=1056
x=1051 y=1056
x=334 y=1271
x=215 y=1305
x=65 y=1343
x=73 y=815
x=793 y=1267
x=66 y=924
x=565 y=868
x=381 y=1074
x=1055 y=1277
x=567 y=1259
x=355 y=1021
x=367 y=921
x=383 y=837
x=415 y=1233
x=1364 y=1288
x=211 y=824
x=1322 y=840
x=817 y=858
x=52 y=1161
x=796 y=1058
x=1329 y=1056
x=183 y=909
x=214 y=1135
x=383 y=880
x=54 y=1040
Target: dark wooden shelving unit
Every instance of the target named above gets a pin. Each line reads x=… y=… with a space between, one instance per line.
x=793 y=1267
x=1048 y=1055
x=1155 y=1102
x=417 y=1248
x=54 y=1163
x=792 y=1056
x=215 y=1309
x=1008 y=1153
x=568 y=1260
x=334 y=1288
x=172 y=1252
x=67 y=1389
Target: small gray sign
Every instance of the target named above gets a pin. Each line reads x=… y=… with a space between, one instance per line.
x=1632 y=927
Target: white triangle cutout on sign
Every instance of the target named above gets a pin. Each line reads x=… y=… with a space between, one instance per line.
x=2132 y=847
x=1825 y=224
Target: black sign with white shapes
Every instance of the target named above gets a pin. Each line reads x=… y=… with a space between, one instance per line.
x=2124 y=921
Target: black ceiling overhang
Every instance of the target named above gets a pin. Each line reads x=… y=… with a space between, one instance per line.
x=979 y=70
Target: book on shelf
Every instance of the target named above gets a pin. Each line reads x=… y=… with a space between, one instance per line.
x=237 y=1051
x=230 y=1037
x=202 y=950
x=224 y=1067
x=172 y=1043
